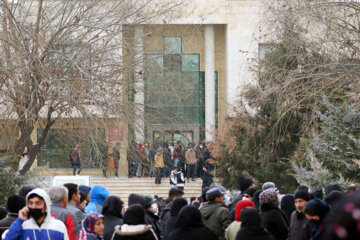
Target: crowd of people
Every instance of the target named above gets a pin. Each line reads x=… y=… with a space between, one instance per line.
x=91 y=213
x=159 y=160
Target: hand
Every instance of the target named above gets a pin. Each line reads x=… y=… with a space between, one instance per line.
x=204 y=168
x=23 y=213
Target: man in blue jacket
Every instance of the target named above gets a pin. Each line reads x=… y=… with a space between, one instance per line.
x=35 y=221
x=98 y=195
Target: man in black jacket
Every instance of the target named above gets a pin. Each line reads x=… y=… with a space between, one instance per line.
x=14 y=204
x=298 y=221
x=151 y=217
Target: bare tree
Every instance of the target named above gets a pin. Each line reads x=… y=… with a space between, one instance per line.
x=66 y=59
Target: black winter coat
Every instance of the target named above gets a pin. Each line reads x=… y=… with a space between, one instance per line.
x=251 y=226
x=112 y=215
x=153 y=220
x=6 y=222
x=298 y=224
x=188 y=226
x=275 y=221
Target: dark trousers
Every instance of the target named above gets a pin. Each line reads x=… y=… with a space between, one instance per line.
x=199 y=170
x=158 y=175
x=116 y=164
x=190 y=171
x=76 y=165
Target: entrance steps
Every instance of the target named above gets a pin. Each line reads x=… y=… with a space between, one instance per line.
x=123 y=187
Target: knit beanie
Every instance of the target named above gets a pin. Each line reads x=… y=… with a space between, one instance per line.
x=15 y=203
x=268 y=185
x=136 y=198
x=250 y=191
x=269 y=196
x=303 y=194
x=244 y=183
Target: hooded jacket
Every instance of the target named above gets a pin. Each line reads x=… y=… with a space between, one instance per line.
x=98 y=195
x=176 y=206
x=216 y=216
x=112 y=215
x=188 y=226
x=134 y=227
x=234 y=227
x=50 y=229
x=251 y=227
x=321 y=209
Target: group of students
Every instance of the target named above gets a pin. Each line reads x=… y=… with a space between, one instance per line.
x=91 y=213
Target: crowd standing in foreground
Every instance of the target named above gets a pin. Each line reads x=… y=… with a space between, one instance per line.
x=91 y=213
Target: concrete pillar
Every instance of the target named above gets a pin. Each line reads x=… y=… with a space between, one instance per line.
x=139 y=98
x=209 y=81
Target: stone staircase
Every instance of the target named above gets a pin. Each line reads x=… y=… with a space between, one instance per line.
x=123 y=187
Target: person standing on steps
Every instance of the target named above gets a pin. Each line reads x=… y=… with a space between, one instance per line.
x=159 y=164
x=191 y=161
x=116 y=157
x=75 y=159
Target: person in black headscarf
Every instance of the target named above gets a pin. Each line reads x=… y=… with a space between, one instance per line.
x=318 y=213
x=112 y=215
x=251 y=226
x=134 y=227
x=288 y=205
x=188 y=226
x=256 y=199
x=334 y=197
x=176 y=206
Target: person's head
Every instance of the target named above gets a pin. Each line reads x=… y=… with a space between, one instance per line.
x=176 y=169
x=245 y=183
x=331 y=187
x=94 y=223
x=86 y=190
x=77 y=146
x=316 y=210
x=203 y=194
x=189 y=216
x=83 y=202
x=301 y=197
x=136 y=199
x=113 y=206
x=98 y=194
x=240 y=206
x=74 y=193
x=150 y=204
x=334 y=197
x=177 y=205
x=59 y=194
x=25 y=189
x=250 y=218
x=269 y=196
x=175 y=193
x=249 y=193
x=117 y=145
x=15 y=203
x=216 y=194
x=38 y=202
x=268 y=185
x=134 y=215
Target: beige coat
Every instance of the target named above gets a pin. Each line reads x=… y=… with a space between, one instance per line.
x=190 y=156
x=159 y=160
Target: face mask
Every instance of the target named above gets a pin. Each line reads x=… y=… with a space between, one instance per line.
x=245 y=198
x=35 y=213
x=226 y=199
x=201 y=146
x=154 y=208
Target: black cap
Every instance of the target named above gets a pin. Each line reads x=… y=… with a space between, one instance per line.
x=303 y=194
x=244 y=183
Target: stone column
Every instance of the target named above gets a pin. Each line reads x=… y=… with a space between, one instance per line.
x=139 y=98
x=209 y=81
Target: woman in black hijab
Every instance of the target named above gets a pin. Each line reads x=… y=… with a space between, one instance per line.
x=112 y=215
x=176 y=206
x=188 y=226
x=251 y=226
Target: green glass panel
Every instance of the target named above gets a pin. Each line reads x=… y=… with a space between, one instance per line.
x=154 y=64
x=190 y=62
x=190 y=98
x=172 y=80
x=172 y=45
x=190 y=80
